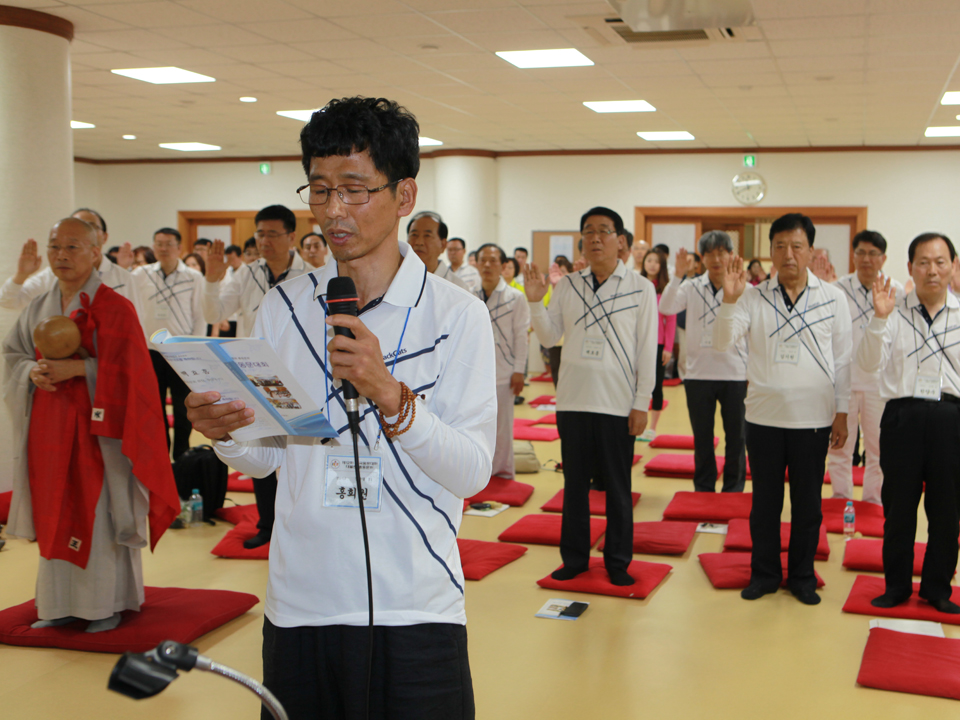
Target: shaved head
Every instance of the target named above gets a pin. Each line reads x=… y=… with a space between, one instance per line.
x=76 y=228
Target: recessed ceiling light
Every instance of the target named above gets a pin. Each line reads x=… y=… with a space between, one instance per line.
x=671 y=135
x=621 y=106
x=129 y=137
x=567 y=57
x=163 y=75
x=248 y=99
x=189 y=146
x=950 y=98
x=301 y=115
x=943 y=132
x=429 y=141
x=77 y=125
x=958 y=117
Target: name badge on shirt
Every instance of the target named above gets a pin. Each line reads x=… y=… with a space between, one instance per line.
x=592 y=348
x=927 y=387
x=706 y=338
x=161 y=311
x=340 y=490
x=788 y=351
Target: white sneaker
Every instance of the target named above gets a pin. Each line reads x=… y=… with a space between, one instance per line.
x=647 y=435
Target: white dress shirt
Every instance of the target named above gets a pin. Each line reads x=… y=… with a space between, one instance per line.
x=702 y=302
x=171 y=301
x=510 y=318
x=609 y=341
x=807 y=392
x=443 y=270
x=443 y=346
x=902 y=346
x=860 y=302
x=244 y=292
x=470 y=275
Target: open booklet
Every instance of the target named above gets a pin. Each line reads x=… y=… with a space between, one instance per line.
x=246 y=369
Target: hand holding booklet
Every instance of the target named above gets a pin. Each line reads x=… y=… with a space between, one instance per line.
x=246 y=369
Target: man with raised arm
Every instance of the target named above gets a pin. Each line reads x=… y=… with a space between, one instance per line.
x=913 y=342
x=798 y=338
x=423 y=363
x=607 y=316
x=712 y=376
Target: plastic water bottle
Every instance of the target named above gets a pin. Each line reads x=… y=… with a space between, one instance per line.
x=849 y=521
x=196 y=508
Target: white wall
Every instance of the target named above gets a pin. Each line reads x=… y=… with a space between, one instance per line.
x=906 y=192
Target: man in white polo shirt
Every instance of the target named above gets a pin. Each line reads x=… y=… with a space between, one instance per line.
x=913 y=342
x=438 y=377
x=712 y=376
x=510 y=319
x=798 y=337
x=607 y=316
x=456 y=254
x=427 y=235
x=866 y=405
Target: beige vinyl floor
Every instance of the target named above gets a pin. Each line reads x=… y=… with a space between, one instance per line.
x=687 y=651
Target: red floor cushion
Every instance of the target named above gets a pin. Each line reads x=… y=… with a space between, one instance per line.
x=596 y=581
x=662 y=538
x=728 y=570
x=231 y=546
x=869 y=516
x=523 y=422
x=675 y=465
x=549 y=419
x=636 y=459
x=708 y=507
x=479 y=558
x=5 y=506
x=857 y=476
x=542 y=377
x=738 y=538
x=503 y=490
x=179 y=614
x=677 y=442
x=239 y=483
x=598 y=502
x=867 y=555
x=910 y=663
x=543 y=400
x=235 y=514
x=672 y=382
x=867 y=587
x=545 y=530
x=531 y=432
x=666 y=404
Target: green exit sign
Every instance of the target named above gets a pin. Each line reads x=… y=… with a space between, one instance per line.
x=749 y=160
x=264 y=168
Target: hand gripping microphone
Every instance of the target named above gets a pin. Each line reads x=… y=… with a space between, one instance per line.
x=342 y=300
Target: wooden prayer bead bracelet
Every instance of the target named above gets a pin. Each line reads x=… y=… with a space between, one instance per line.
x=408 y=407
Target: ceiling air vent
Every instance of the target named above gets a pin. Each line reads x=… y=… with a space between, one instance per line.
x=611 y=30
x=631 y=37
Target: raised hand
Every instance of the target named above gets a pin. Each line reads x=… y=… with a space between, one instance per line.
x=534 y=284
x=685 y=263
x=125 y=256
x=734 y=279
x=28 y=263
x=216 y=263
x=884 y=298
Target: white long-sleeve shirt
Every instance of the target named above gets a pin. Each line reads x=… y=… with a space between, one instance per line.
x=510 y=318
x=902 y=346
x=244 y=292
x=443 y=270
x=610 y=341
x=809 y=392
x=470 y=276
x=860 y=302
x=171 y=301
x=441 y=339
x=702 y=302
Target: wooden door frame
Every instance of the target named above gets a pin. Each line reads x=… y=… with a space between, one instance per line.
x=189 y=219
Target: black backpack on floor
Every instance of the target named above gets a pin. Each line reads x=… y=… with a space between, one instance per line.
x=200 y=468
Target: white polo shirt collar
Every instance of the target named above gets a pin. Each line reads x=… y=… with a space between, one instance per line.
x=405 y=290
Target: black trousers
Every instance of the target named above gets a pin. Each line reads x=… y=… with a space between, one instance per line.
x=593 y=444
x=656 y=402
x=168 y=379
x=772 y=451
x=420 y=672
x=265 y=491
x=702 y=399
x=555 y=353
x=920 y=443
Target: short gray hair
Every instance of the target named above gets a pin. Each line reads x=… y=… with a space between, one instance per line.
x=715 y=240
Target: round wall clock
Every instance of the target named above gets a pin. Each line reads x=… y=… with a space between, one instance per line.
x=749 y=188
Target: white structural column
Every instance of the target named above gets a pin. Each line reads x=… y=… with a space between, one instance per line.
x=465 y=188
x=36 y=145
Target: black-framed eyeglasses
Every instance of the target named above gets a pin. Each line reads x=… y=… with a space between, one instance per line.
x=349 y=194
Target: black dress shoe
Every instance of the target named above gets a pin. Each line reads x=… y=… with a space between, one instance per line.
x=945 y=605
x=518 y=400
x=808 y=596
x=890 y=599
x=256 y=541
x=754 y=591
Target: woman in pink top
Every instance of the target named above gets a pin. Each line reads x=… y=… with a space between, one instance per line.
x=655 y=270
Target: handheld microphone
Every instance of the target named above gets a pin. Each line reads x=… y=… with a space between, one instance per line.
x=342 y=300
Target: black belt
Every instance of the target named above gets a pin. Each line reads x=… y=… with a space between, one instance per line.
x=944 y=397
